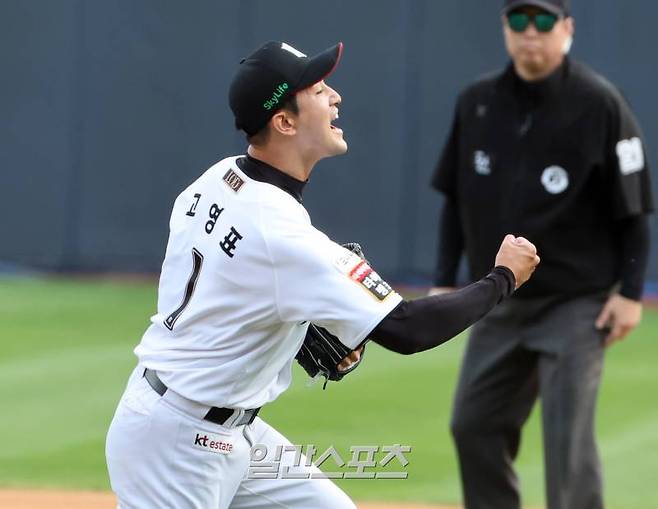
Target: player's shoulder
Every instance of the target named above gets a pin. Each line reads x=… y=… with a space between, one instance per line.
x=226 y=177
x=226 y=171
x=265 y=203
x=259 y=202
x=280 y=213
x=221 y=170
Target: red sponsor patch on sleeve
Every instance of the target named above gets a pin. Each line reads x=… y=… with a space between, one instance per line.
x=360 y=272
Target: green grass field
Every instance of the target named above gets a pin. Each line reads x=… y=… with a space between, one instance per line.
x=66 y=351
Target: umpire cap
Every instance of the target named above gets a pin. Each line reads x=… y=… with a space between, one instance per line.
x=272 y=74
x=557 y=7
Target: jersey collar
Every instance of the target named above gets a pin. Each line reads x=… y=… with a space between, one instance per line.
x=263 y=172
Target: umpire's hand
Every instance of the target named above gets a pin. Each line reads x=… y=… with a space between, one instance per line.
x=520 y=256
x=618 y=317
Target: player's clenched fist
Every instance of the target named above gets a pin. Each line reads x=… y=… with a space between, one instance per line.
x=520 y=256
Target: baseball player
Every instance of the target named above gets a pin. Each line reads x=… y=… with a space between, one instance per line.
x=248 y=284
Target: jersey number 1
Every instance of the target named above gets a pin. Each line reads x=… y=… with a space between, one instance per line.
x=197 y=259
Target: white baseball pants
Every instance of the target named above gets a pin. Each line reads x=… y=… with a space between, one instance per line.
x=161 y=453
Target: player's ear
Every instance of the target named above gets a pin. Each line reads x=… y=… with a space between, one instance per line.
x=284 y=122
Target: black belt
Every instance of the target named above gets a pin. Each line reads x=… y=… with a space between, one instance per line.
x=216 y=415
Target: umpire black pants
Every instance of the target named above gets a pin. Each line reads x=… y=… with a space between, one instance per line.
x=542 y=347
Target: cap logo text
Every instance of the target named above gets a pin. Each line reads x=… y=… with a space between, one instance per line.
x=274 y=100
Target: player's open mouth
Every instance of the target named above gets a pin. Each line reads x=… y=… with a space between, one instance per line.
x=333 y=127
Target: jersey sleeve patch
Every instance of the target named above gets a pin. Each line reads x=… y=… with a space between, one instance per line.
x=359 y=271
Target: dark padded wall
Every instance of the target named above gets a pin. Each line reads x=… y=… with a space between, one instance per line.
x=37 y=140
x=108 y=109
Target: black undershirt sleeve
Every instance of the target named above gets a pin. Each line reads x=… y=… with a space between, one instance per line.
x=635 y=238
x=421 y=324
x=451 y=244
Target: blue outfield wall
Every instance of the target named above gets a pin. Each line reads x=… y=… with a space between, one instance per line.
x=110 y=108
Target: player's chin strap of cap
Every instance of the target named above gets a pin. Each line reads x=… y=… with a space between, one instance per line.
x=221 y=416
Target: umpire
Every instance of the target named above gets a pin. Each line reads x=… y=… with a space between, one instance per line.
x=549 y=150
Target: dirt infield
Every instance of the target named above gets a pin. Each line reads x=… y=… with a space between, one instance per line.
x=42 y=499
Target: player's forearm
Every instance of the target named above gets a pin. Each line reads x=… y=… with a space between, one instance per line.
x=635 y=237
x=450 y=244
x=421 y=324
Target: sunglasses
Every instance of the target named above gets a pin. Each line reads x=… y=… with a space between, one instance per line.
x=519 y=21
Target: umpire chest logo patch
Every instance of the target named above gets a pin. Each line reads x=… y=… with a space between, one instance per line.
x=233 y=180
x=482 y=162
x=358 y=270
x=555 y=179
x=210 y=442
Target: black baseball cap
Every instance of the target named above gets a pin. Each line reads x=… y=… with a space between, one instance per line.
x=272 y=74
x=557 y=7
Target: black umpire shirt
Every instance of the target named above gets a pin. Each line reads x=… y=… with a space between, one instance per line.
x=561 y=162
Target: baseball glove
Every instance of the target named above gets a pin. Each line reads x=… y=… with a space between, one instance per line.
x=321 y=351
x=355 y=247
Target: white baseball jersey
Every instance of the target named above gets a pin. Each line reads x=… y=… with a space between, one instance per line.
x=244 y=273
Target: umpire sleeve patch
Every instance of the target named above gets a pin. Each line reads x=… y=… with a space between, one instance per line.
x=359 y=271
x=630 y=155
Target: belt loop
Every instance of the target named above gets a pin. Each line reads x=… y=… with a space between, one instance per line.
x=238 y=413
x=252 y=417
x=154 y=381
